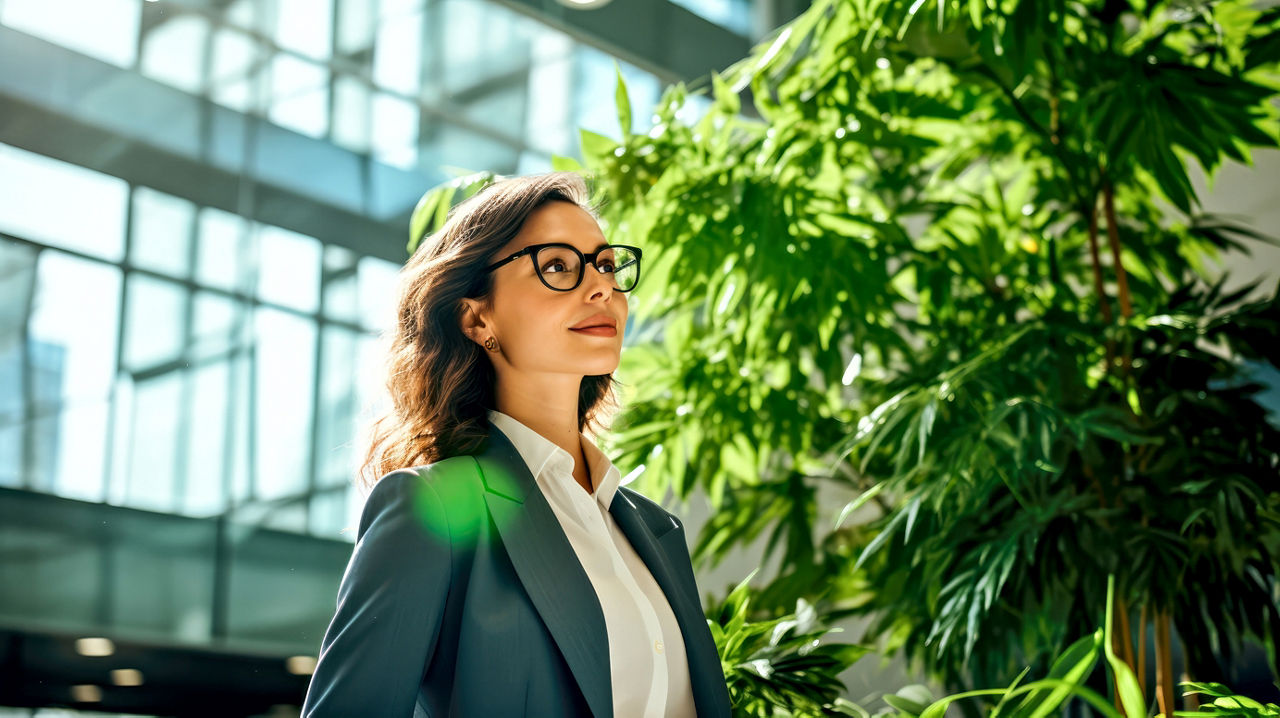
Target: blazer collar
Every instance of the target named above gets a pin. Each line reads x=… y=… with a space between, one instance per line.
x=562 y=593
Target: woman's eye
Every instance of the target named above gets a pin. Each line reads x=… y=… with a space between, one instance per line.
x=552 y=264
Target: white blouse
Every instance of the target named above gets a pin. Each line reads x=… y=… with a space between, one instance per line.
x=647 y=665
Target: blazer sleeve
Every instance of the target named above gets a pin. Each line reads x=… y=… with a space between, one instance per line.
x=390 y=604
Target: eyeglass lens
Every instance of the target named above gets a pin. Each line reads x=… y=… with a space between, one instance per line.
x=561 y=267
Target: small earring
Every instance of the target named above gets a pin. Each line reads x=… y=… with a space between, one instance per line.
x=490 y=344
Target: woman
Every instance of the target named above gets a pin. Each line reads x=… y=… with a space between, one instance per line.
x=507 y=573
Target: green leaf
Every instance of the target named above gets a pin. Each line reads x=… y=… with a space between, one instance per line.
x=623 y=102
x=857 y=503
x=1073 y=666
x=1126 y=681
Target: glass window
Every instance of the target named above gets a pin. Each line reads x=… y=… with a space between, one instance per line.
x=397 y=56
x=732 y=14
x=496 y=109
x=351 y=113
x=17 y=278
x=283 y=382
x=10 y=444
x=240 y=422
x=61 y=204
x=533 y=163
x=299 y=95
x=484 y=42
x=155 y=323
x=305 y=26
x=288 y=269
x=548 y=122
x=174 y=51
x=457 y=146
x=340 y=284
x=248 y=14
x=207 y=415
x=152 y=441
x=329 y=513
x=162 y=583
x=372 y=398
x=71 y=344
x=219 y=327
x=224 y=244
x=336 y=413
x=356 y=22
x=162 y=229
x=395 y=130
x=377 y=280
x=235 y=81
x=104 y=29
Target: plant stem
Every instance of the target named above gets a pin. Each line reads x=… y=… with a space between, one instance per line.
x=1096 y=265
x=1142 y=650
x=1122 y=641
x=1164 y=663
x=1098 y=286
x=1113 y=236
x=1191 y=701
x=1125 y=632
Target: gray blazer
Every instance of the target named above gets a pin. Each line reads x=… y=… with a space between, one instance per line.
x=464 y=598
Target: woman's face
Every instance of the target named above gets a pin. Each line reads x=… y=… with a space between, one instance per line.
x=532 y=323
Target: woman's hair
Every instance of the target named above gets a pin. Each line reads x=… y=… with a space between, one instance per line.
x=441 y=383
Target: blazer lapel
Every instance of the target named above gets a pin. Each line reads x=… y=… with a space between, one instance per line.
x=548 y=567
x=705 y=670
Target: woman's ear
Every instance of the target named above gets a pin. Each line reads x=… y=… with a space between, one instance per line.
x=470 y=320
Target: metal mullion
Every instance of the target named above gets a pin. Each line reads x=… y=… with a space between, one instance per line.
x=317 y=378
x=108 y=566
x=182 y=461
x=26 y=444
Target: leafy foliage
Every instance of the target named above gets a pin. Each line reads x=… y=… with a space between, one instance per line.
x=780 y=665
x=948 y=259
x=1046 y=696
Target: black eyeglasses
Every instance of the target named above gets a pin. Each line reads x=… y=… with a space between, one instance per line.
x=560 y=265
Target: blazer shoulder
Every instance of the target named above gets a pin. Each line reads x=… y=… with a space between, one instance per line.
x=454 y=483
x=436 y=473
x=652 y=510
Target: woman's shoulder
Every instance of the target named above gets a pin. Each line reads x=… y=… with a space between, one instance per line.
x=438 y=479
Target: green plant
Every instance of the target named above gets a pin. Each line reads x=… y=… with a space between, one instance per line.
x=1064 y=681
x=779 y=666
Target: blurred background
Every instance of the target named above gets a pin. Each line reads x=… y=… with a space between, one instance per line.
x=203 y=204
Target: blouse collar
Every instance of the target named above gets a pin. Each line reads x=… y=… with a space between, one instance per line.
x=541 y=454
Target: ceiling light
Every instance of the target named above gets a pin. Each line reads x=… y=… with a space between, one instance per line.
x=300 y=665
x=126 y=677
x=86 y=693
x=95 y=646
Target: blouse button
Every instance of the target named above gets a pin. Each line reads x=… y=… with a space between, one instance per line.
x=657 y=646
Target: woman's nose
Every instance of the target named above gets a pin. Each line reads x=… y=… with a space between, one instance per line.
x=599 y=280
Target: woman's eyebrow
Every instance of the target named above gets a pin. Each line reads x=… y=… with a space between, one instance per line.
x=599 y=247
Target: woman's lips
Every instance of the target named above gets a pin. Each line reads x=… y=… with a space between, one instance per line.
x=598 y=331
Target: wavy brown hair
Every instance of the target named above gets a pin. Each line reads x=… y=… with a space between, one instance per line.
x=441 y=383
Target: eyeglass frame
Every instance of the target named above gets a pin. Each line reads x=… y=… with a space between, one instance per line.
x=532 y=251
